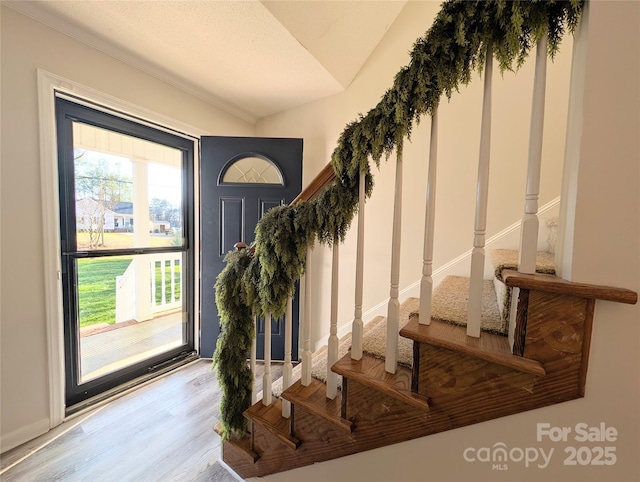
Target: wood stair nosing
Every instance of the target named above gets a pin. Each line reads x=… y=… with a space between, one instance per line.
x=313 y=398
x=370 y=371
x=489 y=347
x=270 y=417
x=554 y=284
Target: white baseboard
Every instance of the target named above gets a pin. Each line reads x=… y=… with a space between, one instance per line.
x=23 y=435
x=233 y=473
x=507 y=238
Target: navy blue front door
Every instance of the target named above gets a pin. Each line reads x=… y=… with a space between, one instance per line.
x=241 y=178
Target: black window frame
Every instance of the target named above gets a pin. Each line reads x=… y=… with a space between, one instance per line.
x=68 y=112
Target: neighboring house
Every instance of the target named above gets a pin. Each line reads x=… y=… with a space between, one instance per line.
x=120 y=219
x=604 y=228
x=123 y=213
x=161 y=227
x=90 y=212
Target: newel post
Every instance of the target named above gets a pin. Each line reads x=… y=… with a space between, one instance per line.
x=253 y=355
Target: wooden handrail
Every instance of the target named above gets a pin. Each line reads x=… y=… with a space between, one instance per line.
x=324 y=177
x=554 y=284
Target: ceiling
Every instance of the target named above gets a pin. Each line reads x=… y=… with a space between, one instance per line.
x=249 y=57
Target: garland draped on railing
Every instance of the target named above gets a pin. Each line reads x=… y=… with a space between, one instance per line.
x=444 y=58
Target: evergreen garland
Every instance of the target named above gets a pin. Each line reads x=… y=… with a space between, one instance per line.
x=233 y=345
x=444 y=58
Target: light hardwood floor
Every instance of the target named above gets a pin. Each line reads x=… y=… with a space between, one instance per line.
x=160 y=432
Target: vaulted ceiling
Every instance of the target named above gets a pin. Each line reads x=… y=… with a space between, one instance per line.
x=252 y=58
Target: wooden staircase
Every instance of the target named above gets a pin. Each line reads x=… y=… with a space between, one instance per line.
x=456 y=380
x=459 y=375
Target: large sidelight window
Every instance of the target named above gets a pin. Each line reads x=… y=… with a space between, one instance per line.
x=126 y=219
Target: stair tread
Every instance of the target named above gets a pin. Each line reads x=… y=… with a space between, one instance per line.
x=510 y=258
x=555 y=284
x=370 y=371
x=270 y=417
x=314 y=398
x=493 y=348
x=451 y=304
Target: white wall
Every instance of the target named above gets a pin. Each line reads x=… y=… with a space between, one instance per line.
x=26 y=46
x=606 y=251
x=321 y=122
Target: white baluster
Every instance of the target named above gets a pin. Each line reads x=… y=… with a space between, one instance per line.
x=332 y=345
x=252 y=361
x=426 y=283
x=357 y=327
x=393 y=309
x=163 y=273
x=306 y=350
x=152 y=270
x=266 y=378
x=477 y=256
x=287 y=368
x=530 y=223
x=180 y=270
x=172 y=268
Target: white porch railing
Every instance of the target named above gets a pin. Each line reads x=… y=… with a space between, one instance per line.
x=125 y=295
x=164 y=290
x=166 y=274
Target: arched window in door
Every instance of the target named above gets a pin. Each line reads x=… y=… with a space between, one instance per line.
x=250 y=168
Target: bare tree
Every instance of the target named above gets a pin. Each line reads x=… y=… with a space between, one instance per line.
x=98 y=181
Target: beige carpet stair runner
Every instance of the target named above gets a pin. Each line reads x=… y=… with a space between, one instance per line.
x=376 y=341
x=508 y=259
x=451 y=303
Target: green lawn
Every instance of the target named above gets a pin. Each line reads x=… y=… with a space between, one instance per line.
x=125 y=240
x=97 y=287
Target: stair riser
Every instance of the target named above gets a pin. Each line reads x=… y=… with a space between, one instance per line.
x=463 y=390
x=448 y=376
x=487 y=392
x=555 y=328
x=381 y=421
x=321 y=441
